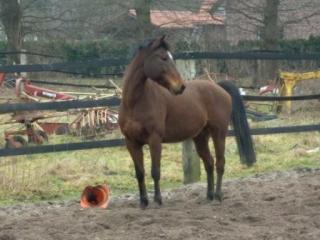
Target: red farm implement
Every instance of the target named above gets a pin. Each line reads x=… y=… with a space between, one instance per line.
x=87 y=122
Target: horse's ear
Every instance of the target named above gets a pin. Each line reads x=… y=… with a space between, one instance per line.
x=159 y=42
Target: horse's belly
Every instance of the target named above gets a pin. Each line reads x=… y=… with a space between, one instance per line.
x=184 y=128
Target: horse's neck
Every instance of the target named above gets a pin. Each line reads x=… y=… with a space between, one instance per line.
x=133 y=86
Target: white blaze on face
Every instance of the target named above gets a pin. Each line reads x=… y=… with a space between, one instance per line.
x=170 y=55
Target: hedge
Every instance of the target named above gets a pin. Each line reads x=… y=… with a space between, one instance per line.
x=83 y=50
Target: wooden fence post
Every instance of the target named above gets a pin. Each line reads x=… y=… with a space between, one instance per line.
x=190 y=159
x=23 y=61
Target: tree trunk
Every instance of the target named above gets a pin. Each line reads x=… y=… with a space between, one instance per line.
x=270 y=33
x=143 y=18
x=11 y=19
x=270 y=37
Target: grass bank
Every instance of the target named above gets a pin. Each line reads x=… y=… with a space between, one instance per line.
x=63 y=175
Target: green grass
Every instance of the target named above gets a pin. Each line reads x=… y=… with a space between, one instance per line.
x=64 y=175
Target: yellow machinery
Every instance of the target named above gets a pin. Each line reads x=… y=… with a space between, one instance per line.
x=289 y=81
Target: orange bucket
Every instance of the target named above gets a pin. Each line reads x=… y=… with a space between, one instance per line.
x=95 y=196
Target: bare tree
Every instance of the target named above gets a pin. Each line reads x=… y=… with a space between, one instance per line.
x=267 y=20
x=11 y=16
x=143 y=8
x=29 y=18
x=270 y=31
x=270 y=39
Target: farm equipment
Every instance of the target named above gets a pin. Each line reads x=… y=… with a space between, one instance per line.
x=24 y=88
x=287 y=82
x=290 y=79
x=84 y=122
x=14 y=139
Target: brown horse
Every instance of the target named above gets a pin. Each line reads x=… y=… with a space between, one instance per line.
x=159 y=107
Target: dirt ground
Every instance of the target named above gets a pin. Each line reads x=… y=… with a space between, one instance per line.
x=271 y=206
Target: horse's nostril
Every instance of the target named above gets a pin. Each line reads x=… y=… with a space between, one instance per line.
x=182 y=88
x=179 y=89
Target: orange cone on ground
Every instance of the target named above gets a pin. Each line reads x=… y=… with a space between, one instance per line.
x=95 y=196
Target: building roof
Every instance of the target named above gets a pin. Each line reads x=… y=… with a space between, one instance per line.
x=177 y=5
x=185 y=19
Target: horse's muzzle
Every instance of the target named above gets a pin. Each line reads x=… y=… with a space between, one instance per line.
x=179 y=90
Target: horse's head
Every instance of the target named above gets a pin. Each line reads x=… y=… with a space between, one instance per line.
x=159 y=66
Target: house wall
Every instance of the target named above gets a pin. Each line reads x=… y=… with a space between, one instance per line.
x=200 y=38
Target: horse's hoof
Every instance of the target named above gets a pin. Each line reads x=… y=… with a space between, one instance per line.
x=218 y=196
x=144 y=203
x=158 y=199
x=210 y=196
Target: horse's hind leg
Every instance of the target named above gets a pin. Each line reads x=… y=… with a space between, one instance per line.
x=202 y=147
x=135 y=150
x=219 y=140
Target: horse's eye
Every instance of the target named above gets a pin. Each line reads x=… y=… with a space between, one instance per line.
x=164 y=58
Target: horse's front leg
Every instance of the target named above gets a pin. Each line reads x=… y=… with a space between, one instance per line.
x=135 y=150
x=155 y=152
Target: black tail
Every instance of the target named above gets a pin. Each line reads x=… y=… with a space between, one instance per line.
x=240 y=124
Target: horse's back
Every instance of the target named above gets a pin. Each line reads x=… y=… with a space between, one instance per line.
x=215 y=100
x=211 y=95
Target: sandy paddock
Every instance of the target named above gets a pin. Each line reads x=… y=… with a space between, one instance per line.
x=270 y=206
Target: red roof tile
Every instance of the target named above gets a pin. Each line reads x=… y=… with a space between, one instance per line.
x=184 y=19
